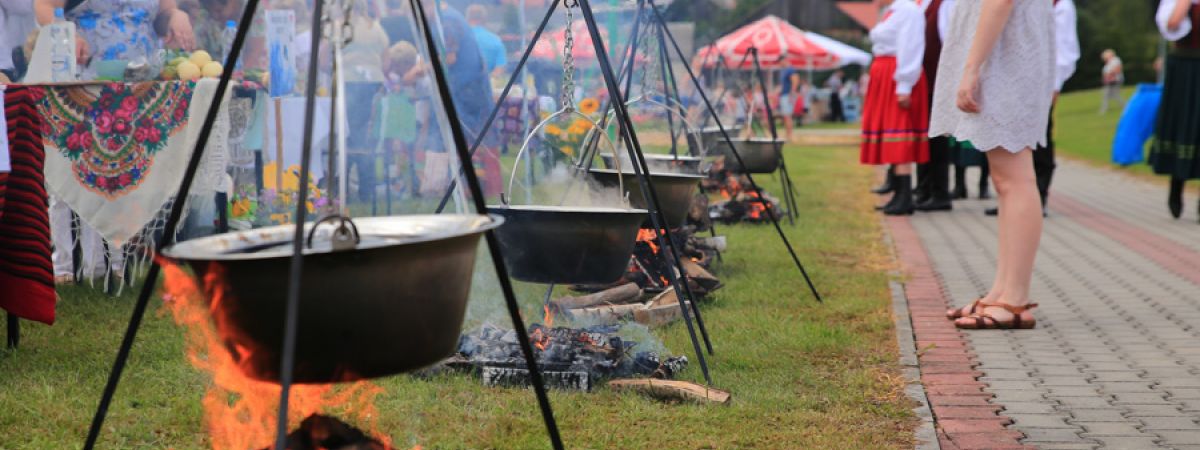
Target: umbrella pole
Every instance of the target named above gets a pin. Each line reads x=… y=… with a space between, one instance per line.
x=729 y=141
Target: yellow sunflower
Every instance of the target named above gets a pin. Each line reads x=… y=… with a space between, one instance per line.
x=589 y=105
x=567 y=150
x=553 y=129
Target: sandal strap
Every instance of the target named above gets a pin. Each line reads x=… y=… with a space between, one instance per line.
x=1015 y=310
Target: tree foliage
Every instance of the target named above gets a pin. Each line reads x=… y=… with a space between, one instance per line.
x=1127 y=27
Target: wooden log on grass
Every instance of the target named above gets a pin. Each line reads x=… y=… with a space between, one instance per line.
x=672 y=390
x=625 y=293
x=607 y=314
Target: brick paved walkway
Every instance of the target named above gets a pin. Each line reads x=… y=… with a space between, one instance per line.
x=1115 y=360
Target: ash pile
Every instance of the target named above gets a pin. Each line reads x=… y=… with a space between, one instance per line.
x=569 y=358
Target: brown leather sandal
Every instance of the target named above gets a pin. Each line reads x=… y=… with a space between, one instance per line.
x=1022 y=319
x=964 y=311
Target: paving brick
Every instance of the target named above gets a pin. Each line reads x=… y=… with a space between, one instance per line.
x=1066 y=435
x=1180 y=437
x=1172 y=424
x=987 y=440
x=1099 y=415
x=1155 y=411
x=951 y=426
x=1024 y=421
x=1115 y=360
x=1109 y=428
x=1028 y=407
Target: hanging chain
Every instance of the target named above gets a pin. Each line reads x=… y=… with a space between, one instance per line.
x=568 y=81
x=328 y=21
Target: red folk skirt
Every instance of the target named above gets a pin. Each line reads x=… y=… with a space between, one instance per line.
x=891 y=134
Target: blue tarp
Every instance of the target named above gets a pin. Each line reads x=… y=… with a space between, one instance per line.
x=1136 y=125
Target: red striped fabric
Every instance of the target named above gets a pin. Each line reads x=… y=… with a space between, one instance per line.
x=26 y=271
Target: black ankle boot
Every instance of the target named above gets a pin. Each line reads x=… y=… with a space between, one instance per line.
x=1175 y=197
x=902 y=202
x=889 y=183
x=984 y=173
x=960 y=183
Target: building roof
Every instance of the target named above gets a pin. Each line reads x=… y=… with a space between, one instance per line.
x=864 y=13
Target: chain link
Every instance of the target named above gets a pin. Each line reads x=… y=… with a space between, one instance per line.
x=568 y=81
x=328 y=21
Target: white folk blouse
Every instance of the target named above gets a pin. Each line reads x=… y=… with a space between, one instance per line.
x=1164 y=15
x=902 y=34
x=1066 y=42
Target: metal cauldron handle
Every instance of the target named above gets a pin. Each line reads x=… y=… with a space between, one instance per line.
x=687 y=125
x=569 y=111
x=341 y=239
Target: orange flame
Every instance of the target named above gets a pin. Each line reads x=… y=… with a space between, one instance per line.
x=239 y=412
x=648 y=236
x=548 y=319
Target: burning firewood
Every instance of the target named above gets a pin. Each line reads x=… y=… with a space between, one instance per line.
x=318 y=432
x=625 y=293
x=672 y=390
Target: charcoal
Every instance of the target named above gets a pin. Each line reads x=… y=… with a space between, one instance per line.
x=320 y=432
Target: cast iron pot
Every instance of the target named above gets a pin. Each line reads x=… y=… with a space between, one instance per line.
x=675 y=191
x=567 y=245
x=760 y=155
x=661 y=163
x=390 y=304
x=710 y=136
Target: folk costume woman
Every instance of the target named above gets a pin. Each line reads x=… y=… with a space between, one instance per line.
x=896 y=113
x=996 y=82
x=1177 y=136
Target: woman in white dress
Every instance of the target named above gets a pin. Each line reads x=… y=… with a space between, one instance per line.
x=994 y=89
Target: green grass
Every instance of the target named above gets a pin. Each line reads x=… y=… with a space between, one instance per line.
x=1081 y=133
x=803 y=375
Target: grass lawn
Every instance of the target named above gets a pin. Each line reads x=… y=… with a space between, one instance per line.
x=1082 y=133
x=803 y=375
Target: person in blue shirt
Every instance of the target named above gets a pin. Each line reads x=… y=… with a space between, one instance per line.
x=495 y=56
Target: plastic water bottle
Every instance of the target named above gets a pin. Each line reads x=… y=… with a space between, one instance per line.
x=227 y=38
x=62 y=49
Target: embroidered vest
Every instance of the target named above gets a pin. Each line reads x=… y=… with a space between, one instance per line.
x=1191 y=42
x=933 y=42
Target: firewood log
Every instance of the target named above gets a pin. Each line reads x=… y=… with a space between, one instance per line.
x=625 y=293
x=606 y=314
x=672 y=390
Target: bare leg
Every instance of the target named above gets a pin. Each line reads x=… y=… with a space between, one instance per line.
x=787 y=127
x=1020 y=228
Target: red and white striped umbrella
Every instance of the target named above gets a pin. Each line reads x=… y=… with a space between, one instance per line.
x=780 y=45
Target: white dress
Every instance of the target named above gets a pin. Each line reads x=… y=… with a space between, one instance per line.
x=1016 y=82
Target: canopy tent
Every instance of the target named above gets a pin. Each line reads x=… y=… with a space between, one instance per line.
x=846 y=54
x=780 y=45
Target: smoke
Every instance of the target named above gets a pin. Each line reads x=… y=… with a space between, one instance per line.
x=565 y=185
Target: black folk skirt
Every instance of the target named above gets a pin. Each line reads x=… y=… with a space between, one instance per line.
x=1177 y=133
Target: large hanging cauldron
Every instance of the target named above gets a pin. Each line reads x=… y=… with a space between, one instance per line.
x=675 y=191
x=760 y=155
x=567 y=245
x=392 y=302
x=662 y=163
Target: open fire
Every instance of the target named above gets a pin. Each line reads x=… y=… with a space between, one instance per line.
x=739 y=201
x=240 y=412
